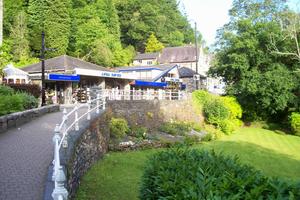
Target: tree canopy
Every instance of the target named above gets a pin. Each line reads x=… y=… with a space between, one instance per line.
x=104 y=32
x=264 y=82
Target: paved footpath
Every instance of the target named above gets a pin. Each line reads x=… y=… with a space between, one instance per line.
x=25 y=154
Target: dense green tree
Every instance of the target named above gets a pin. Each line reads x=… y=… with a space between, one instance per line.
x=19 y=35
x=263 y=82
x=52 y=17
x=153 y=45
x=140 y=18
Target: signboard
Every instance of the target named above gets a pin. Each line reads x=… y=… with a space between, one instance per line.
x=99 y=73
x=176 y=80
x=63 y=77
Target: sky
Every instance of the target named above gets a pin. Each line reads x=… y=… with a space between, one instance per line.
x=211 y=15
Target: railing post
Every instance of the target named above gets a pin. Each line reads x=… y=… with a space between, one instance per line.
x=56 y=139
x=76 y=119
x=89 y=110
x=60 y=192
x=98 y=104
x=104 y=103
x=65 y=119
x=170 y=97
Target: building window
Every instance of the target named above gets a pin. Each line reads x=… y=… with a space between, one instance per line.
x=149 y=62
x=140 y=61
x=10 y=81
x=23 y=81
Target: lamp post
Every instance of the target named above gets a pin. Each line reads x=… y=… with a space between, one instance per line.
x=42 y=58
x=43 y=69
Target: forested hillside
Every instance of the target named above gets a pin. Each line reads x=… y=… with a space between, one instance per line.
x=104 y=32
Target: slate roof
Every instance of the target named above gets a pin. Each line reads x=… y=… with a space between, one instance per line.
x=62 y=63
x=146 y=56
x=178 y=54
x=134 y=68
x=185 y=72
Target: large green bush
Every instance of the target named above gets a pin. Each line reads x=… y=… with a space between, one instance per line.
x=10 y=104
x=233 y=106
x=295 y=123
x=194 y=174
x=118 y=127
x=5 y=90
x=202 y=97
x=28 y=101
x=216 y=112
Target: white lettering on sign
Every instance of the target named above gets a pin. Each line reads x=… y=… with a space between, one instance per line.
x=99 y=73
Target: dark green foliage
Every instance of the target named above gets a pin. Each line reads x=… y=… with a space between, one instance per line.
x=263 y=81
x=10 y=104
x=176 y=128
x=118 y=127
x=140 y=18
x=34 y=90
x=28 y=101
x=52 y=17
x=194 y=174
x=6 y=90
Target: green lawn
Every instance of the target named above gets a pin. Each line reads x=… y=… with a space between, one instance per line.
x=117 y=175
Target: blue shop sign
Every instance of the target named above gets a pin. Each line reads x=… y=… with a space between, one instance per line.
x=64 y=77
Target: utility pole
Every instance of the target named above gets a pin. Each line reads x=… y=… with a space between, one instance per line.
x=1 y=22
x=43 y=69
x=197 y=59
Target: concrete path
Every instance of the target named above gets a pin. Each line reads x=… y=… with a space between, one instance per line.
x=25 y=154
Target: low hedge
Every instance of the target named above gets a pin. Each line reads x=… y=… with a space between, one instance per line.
x=34 y=90
x=194 y=174
x=11 y=101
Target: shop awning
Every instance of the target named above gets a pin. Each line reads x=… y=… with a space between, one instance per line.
x=149 y=84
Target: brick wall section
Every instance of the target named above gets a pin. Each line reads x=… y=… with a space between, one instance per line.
x=16 y=119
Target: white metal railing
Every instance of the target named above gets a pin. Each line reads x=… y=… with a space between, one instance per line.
x=149 y=94
x=60 y=139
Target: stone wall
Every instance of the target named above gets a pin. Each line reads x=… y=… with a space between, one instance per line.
x=16 y=119
x=151 y=114
x=85 y=147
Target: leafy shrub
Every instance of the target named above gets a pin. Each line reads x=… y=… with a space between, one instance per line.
x=139 y=131
x=212 y=133
x=229 y=126
x=5 y=90
x=10 y=104
x=28 y=100
x=294 y=119
x=215 y=112
x=193 y=174
x=202 y=97
x=118 y=127
x=191 y=140
x=34 y=90
x=176 y=128
x=233 y=106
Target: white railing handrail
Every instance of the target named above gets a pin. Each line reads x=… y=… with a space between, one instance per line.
x=60 y=192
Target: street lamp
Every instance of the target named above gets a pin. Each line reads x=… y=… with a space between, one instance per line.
x=42 y=57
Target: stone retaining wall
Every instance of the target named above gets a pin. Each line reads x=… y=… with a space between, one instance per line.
x=16 y=119
x=151 y=114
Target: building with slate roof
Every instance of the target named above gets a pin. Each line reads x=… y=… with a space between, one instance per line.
x=143 y=59
x=65 y=75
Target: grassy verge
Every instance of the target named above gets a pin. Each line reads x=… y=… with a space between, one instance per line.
x=117 y=176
